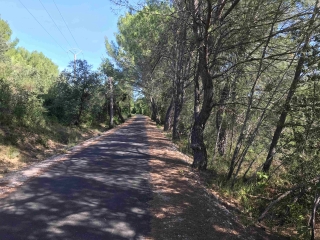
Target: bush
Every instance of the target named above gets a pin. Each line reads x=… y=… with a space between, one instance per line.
x=28 y=110
x=5 y=102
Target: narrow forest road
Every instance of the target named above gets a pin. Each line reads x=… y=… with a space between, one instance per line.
x=101 y=192
x=131 y=184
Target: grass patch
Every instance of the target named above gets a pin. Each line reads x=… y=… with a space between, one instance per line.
x=13 y=152
x=21 y=146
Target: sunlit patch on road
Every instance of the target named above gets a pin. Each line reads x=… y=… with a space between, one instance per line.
x=100 y=192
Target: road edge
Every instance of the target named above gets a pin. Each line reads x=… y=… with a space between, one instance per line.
x=13 y=180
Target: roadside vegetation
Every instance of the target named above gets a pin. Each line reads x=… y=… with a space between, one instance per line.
x=44 y=111
x=236 y=85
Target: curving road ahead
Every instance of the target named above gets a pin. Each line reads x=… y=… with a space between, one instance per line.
x=101 y=192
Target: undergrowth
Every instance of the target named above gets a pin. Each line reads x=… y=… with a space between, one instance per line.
x=21 y=146
x=249 y=196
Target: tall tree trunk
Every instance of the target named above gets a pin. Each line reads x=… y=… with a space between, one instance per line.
x=292 y=90
x=111 y=103
x=129 y=105
x=220 y=121
x=197 y=141
x=196 y=106
x=80 y=112
x=81 y=107
x=178 y=103
x=181 y=66
x=119 y=111
x=283 y=115
x=169 y=116
x=203 y=20
x=312 y=220
x=154 y=111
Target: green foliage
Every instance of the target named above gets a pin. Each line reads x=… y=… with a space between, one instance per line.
x=10 y=139
x=251 y=53
x=20 y=107
x=32 y=92
x=3 y=49
x=29 y=110
x=60 y=102
x=252 y=58
x=13 y=152
x=5 y=30
x=76 y=97
x=42 y=140
x=141 y=106
x=5 y=101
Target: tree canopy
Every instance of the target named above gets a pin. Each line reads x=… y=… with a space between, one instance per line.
x=236 y=83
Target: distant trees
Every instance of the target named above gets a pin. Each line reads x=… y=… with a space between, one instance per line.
x=70 y=99
x=81 y=95
x=111 y=76
x=33 y=92
x=141 y=45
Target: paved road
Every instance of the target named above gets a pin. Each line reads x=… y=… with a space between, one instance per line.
x=102 y=192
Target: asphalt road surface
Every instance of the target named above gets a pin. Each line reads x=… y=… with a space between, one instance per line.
x=101 y=192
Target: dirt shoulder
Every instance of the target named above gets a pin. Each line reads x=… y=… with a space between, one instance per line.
x=182 y=207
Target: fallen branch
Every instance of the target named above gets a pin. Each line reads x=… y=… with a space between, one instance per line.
x=284 y=195
x=258 y=197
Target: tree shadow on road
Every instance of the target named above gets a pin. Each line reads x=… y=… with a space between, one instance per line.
x=182 y=208
x=102 y=192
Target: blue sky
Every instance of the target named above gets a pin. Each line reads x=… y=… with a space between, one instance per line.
x=89 y=22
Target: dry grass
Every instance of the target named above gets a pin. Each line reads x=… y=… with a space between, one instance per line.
x=20 y=147
x=11 y=181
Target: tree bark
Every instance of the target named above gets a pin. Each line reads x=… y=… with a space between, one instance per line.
x=197 y=141
x=119 y=111
x=111 y=103
x=198 y=146
x=81 y=107
x=129 y=105
x=312 y=221
x=196 y=108
x=283 y=116
x=169 y=116
x=220 y=125
x=178 y=103
x=203 y=21
x=154 y=111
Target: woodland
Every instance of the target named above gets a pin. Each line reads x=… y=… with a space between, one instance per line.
x=34 y=93
x=234 y=83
